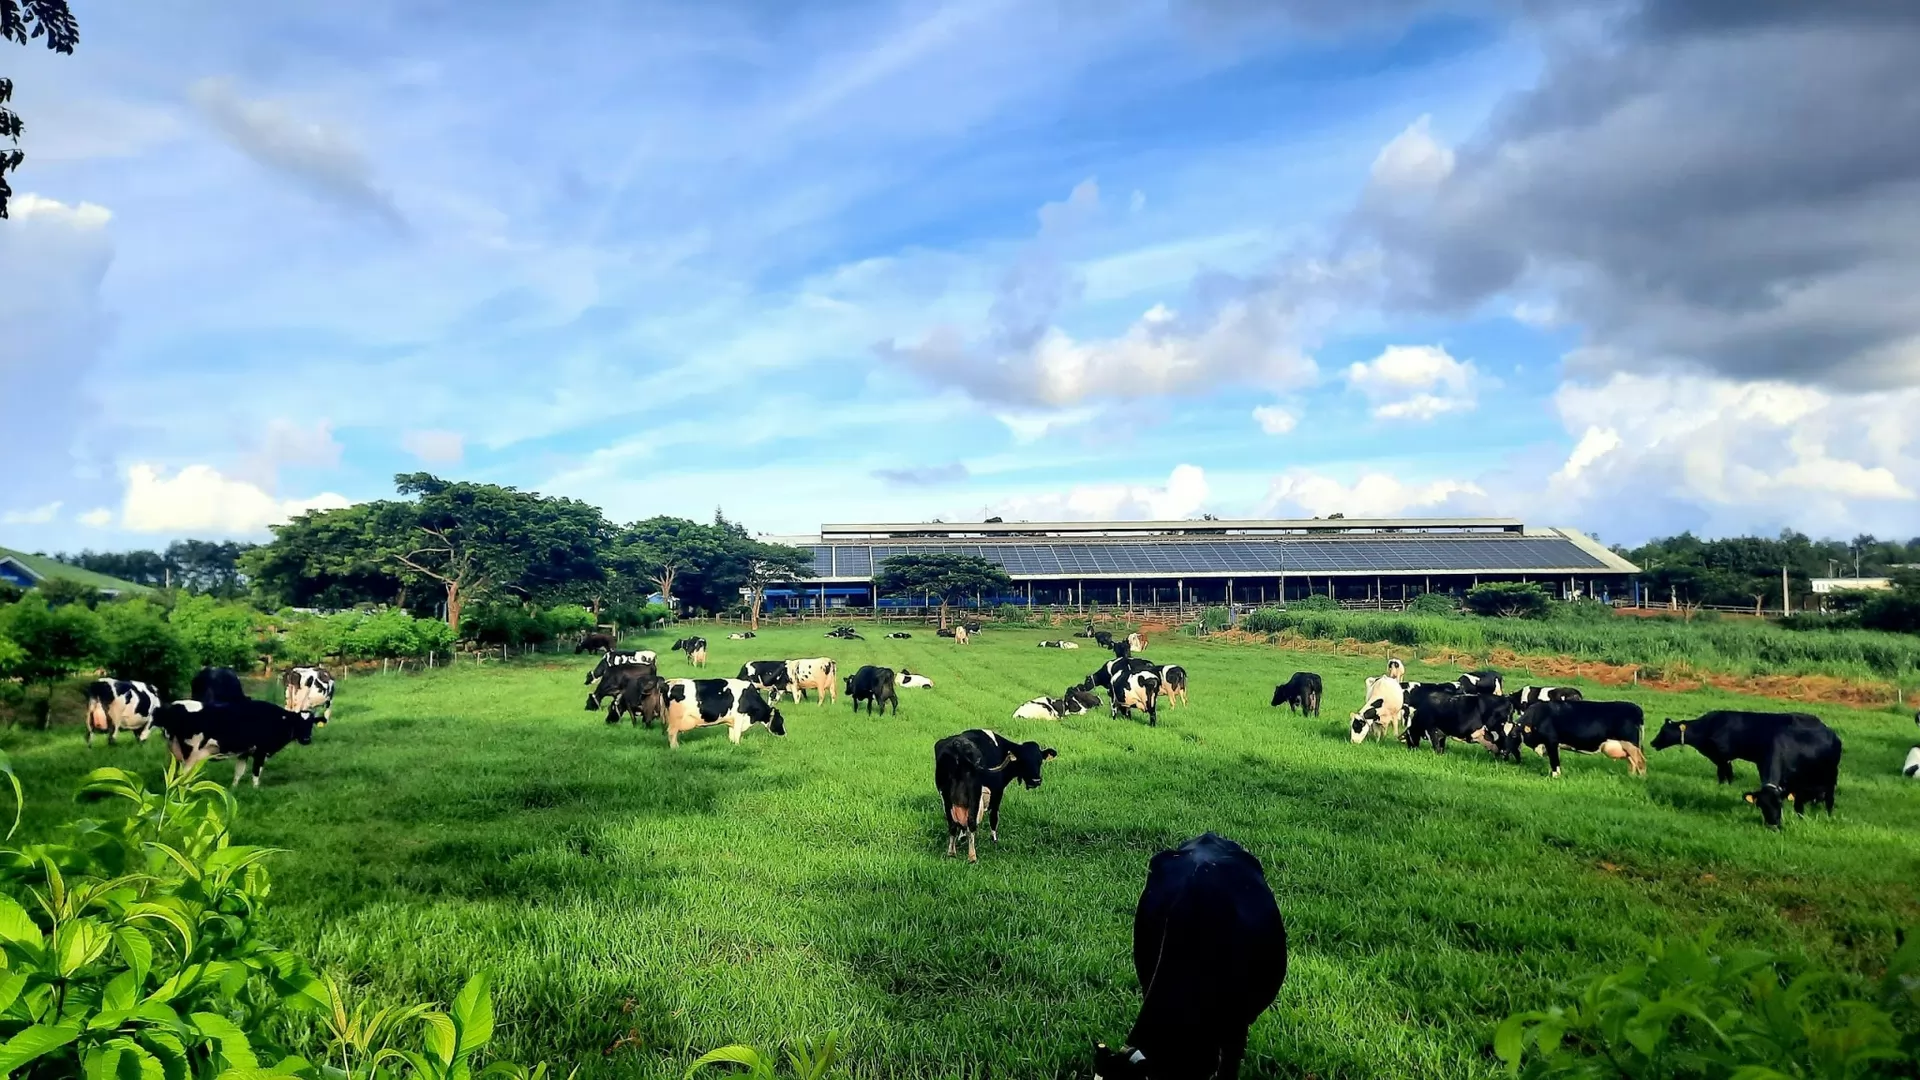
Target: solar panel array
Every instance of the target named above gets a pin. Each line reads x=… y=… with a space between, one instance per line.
x=1435 y=554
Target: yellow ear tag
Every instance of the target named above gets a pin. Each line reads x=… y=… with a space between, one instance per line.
x=1749 y=798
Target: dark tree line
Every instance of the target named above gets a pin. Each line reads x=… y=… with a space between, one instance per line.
x=1745 y=570
x=197 y=566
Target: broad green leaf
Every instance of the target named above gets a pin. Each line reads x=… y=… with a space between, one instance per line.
x=285 y=1067
x=1508 y=1042
x=35 y=1042
x=77 y=943
x=757 y=1064
x=136 y=951
x=17 y=926
x=6 y=766
x=441 y=1038
x=473 y=1013
x=122 y=992
x=10 y=986
x=233 y=1041
x=166 y=914
x=171 y=1052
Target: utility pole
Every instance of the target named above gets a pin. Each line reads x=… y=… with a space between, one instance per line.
x=1786 y=601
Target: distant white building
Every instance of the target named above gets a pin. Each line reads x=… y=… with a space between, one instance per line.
x=1847 y=584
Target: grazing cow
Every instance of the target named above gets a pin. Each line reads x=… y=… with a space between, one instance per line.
x=615 y=659
x=1911 y=770
x=814 y=673
x=972 y=771
x=310 y=689
x=616 y=680
x=1173 y=683
x=595 y=643
x=742 y=635
x=1059 y=645
x=1210 y=951
x=116 y=705
x=1075 y=702
x=1131 y=682
x=636 y=693
x=899 y=635
x=1396 y=670
x=1438 y=712
x=961 y=634
x=1479 y=682
x=1588 y=727
x=694 y=647
x=1101 y=638
x=1381 y=714
x=974 y=627
x=1528 y=696
x=1725 y=736
x=696 y=703
x=1804 y=767
x=1300 y=694
x=909 y=679
x=768 y=676
x=217 y=686
x=1121 y=648
x=875 y=686
x=244 y=730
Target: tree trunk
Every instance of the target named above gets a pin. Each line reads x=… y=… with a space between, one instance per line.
x=753 y=614
x=454 y=604
x=943 y=613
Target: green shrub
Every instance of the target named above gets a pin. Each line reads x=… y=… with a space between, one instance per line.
x=1508 y=600
x=1689 y=1009
x=567 y=620
x=216 y=633
x=60 y=592
x=1433 y=603
x=1578 y=611
x=49 y=645
x=1214 y=618
x=1315 y=602
x=1266 y=620
x=139 y=643
x=808 y=1061
x=1893 y=612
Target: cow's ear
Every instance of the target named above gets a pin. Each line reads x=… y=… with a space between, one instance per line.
x=1049 y=754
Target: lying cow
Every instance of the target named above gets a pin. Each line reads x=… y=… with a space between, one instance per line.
x=246 y=731
x=1300 y=694
x=845 y=633
x=310 y=689
x=1803 y=768
x=116 y=705
x=1911 y=770
x=815 y=673
x=1438 y=712
x=875 y=686
x=1381 y=714
x=899 y=635
x=217 y=686
x=742 y=635
x=697 y=703
x=1588 y=727
x=1210 y=951
x=616 y=659
x=1528 y=696
x=1173 y=683
x=595 y=643
x=972 y=771
x=767 y=676
x=917 y=682
x=1076 y=702
x=1058 y=645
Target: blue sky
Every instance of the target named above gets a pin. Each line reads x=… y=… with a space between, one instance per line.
x=1589 y=264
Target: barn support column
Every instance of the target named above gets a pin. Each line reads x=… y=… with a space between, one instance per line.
x=1229 y=594
x=1181 y=596
x=1129 y=594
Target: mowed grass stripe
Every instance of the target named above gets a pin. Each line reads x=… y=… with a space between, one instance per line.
x=669 y=902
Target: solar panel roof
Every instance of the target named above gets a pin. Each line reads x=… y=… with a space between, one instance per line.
x=1413 y=554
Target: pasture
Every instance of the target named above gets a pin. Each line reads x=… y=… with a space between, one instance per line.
x=642 y=906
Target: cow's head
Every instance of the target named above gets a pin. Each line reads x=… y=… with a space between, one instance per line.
x=1082 y=699
x=1125 y=1063
x=775 y=722
x=1768 y=799
x=1672 y=733
x=1027 y=758
x=1363 y=723
x=304 y=721
x=1281 y=693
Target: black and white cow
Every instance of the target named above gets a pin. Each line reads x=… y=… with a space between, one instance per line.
x=768 y=676
x=310 y=689
x=246 y=731
x=1725 y=736
x=695 y=649
x=217 y=686
x=1479 y=682
x=615 y=659
x=815 y=673
x=875 y=686
x=696 y=703
x=1131 y=682
x=1438 y=712
x=595 y=642
x=742 y=635
x=1528 y=696
x=635 y=692
x=971 y=770
x=1058 y=645
x=1911 y=768
x=1396 y=670
x=1385 y=701
x=1075 y=702
x=899 y=635
x=116 y=705
x=845 y=633
x=1210 y=951
x=1173 y=683
x=913 y=681
x=1300 y=694
x=1589 y=727
x=1121 y=648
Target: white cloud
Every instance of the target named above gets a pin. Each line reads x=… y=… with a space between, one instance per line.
x=1300 y=493
x=1273 y=419
x=1597 y=443
x=1416 y=382
x=435 y=447
x=84 y=216
x=199 y=499
x=1181 y=497
x=1414 y=160
x=39 y=515
x=99 y=517
x=1028 y=426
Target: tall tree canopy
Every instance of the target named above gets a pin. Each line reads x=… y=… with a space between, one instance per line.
x=198 y=566
x=22 y=21
x=949 y=577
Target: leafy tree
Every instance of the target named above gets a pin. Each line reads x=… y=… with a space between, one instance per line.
x=53 y=643
x=770 y=563
x=139 y=643
x=22 y=21
x=216 y=633
x=327 y=559
x=1508 y=600
x=1433 y=604
x=139 y=567
x=660 y=550
x=60 y=592
x=949 y=577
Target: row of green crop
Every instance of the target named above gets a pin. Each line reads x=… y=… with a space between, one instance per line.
x=1734 y=646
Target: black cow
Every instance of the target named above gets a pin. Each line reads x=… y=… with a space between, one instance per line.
x=945 y=631
x=595 y=643
x=1484 y=681
x=769 y=675
x=614 y=687
x=972 y=771
x=1588 y=727
x=1725 y=736
x=899 y=635
x=1102 y=639
x=217 y=686
x=1210 y=951
x=638 y=694
x=1300 y=694
x=244 y=730
x=1438 y=712
x=1798 y=755
x=873 y=685
x=1122 y=648
x=116 y=705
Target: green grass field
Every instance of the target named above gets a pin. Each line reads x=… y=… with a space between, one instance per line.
x=641 y=906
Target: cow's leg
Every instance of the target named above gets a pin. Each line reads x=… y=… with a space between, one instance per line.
x=1723 y=771
x=1439 y=740
x=239 y=770
x=1636 y=760
x=113 y=729
x=1553 y=757
x=1153 y=710
x=89 y=732
x=956 y=824
x=144 y=732
x=733 y=733
x=991 y=799
x=1233 y=1048
x=259 y=763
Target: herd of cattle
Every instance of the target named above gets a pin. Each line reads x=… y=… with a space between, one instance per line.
x=219 y=720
